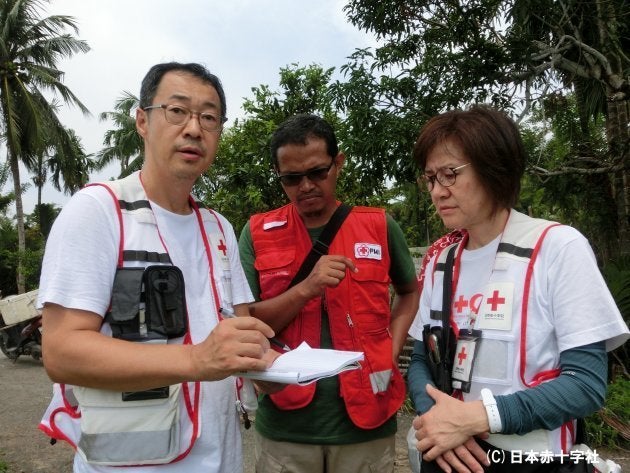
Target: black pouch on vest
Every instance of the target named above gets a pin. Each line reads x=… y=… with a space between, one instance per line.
x=127 y=297
x=437 y=359
x=165 y=301
x=438 y=341
x=148 y=305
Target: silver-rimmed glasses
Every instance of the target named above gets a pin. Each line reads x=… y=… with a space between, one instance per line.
x=179 y=115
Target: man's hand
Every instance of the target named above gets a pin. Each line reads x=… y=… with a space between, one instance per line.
x=329 y=271
x=448 y=424
x=235 y=344
x=269 y=387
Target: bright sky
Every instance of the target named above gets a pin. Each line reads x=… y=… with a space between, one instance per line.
x=244 y=42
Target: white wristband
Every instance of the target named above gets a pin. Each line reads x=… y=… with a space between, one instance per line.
x=494 y=418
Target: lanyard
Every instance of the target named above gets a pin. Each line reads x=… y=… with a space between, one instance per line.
x=206 y=244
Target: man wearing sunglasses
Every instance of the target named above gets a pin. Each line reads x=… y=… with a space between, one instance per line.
x=347 y=422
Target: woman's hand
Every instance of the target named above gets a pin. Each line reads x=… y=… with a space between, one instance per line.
x=467 y=458
x=449 y=424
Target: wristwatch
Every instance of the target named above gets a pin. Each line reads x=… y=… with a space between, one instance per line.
x=494 y=418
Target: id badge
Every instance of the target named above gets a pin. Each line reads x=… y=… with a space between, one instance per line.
x=463 y=363
x=218 y=242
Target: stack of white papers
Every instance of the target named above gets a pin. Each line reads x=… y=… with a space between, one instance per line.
x=305 y=365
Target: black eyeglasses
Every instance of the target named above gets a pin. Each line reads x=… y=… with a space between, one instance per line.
x=445 y=176
x=294 y=178
x=179 y=115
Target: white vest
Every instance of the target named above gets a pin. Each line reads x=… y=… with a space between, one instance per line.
x=102 y=428
x=517 y=351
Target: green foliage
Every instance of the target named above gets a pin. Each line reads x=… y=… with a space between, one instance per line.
x=519 y=56
x=5 y=199
x=616 y=411
x=30 y=48
x=31 y=258
x=555 y=139
x=43 y=217
x=123 y=143
x=617 y=276
x=603 y=427
x=8 y=244
x=68 y=163
x=407 y=406
x=242 y=181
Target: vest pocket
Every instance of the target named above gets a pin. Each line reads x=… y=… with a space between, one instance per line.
x=274 y=272
x=117 y=432
x=370 y=288
x=495 y=359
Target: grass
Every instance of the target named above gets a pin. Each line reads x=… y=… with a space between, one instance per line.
x=616 y=411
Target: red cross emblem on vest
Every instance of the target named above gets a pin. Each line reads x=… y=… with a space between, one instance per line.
x=460 y=304
x=462 y=355
x=495 y=301
x=222 y=248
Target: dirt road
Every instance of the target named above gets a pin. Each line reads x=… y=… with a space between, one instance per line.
x=25 y=391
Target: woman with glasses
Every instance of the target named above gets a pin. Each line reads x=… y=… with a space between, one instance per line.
x=515 y=318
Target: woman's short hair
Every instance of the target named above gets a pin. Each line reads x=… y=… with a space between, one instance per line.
x=490 y=140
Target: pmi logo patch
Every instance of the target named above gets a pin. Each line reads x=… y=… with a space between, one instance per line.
x=368 y=251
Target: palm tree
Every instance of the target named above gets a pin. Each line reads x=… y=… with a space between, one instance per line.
x=30 y=47
x=5 y=199
x=69 y=164
x=123 y=142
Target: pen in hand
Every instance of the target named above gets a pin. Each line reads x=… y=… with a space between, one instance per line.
x=227 y=313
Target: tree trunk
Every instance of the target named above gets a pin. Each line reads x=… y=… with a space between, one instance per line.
x=19 y=213
x=617 y=114
x=618 y=134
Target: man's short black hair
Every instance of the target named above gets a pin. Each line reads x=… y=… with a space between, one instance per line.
x=298 y=129
x=153 y=78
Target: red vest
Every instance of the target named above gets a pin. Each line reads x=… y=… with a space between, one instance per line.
x=358 y=309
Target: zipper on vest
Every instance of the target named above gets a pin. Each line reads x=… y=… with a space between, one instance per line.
x=351 y=325
x=356 y=346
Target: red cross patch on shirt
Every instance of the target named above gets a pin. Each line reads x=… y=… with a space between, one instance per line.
x=368 y=251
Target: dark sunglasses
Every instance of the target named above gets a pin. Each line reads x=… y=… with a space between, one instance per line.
x=314 y=175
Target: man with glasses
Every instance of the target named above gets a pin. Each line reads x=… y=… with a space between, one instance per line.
x=133 y=278
x=347 y=422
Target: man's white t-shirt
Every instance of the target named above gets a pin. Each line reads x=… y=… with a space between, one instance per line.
x=78 y=271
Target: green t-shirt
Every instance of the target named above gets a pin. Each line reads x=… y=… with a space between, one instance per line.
x=325 y=420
